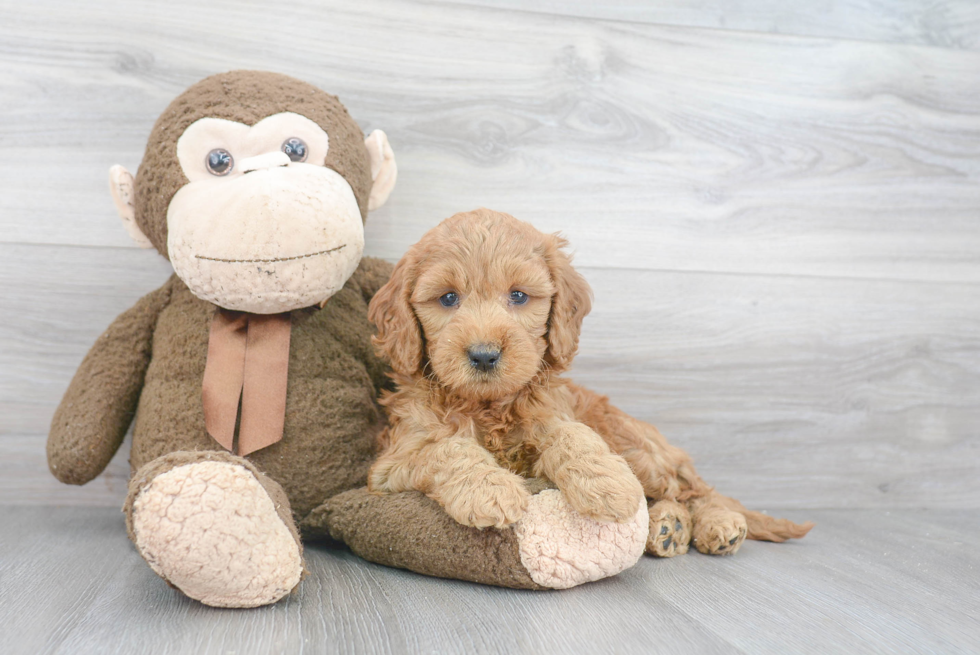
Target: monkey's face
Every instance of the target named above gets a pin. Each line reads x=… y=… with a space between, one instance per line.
x=256 y=187
x=262 y=225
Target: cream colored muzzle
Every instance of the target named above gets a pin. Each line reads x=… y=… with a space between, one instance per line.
x=274 y=239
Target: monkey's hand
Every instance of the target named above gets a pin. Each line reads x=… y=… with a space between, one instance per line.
x=92 y=419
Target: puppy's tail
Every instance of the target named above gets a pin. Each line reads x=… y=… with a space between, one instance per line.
x=763 y=527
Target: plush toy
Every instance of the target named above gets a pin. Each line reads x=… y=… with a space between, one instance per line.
x=250 y=377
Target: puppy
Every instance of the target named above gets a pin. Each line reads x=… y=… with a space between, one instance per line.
x=478 y=321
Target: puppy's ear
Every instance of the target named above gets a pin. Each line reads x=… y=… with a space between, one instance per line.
x=399 y=338
x=570 y=304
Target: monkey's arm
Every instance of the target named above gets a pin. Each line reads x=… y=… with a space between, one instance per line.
x=550 y=546
x=92 y=419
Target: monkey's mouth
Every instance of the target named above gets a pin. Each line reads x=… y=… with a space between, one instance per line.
x=269 y=261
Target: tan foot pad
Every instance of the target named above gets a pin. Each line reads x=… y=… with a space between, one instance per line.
x=560 y=548
x=211 y=530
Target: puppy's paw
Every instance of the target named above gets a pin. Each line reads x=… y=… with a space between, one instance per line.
x=602 y=488
x=496 y=499
x=670 y=529
x=719 y=531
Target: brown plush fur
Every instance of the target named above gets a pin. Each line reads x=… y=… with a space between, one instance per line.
x=151 y=359
x=332 y=417
x=465 y=437
x=371 y=525
x=244 y=97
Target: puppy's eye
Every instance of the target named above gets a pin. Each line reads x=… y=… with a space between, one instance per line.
x=450 y=299
x=518 y=297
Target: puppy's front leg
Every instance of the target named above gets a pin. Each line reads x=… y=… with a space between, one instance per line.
x=460 y=475
x=595 y=481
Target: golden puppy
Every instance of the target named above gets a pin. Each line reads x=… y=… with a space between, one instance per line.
x=478 y=320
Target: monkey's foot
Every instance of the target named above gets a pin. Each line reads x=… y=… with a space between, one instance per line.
x=561 y=548
x=211 y=530
x=719 y=531
x=670 y=529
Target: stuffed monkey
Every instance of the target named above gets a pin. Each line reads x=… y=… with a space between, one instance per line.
x=250 y=378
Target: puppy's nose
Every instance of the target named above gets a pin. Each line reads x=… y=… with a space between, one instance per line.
x=483 y=357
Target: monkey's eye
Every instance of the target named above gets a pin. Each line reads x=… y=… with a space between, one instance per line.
x=450 y=299
x=219 y=162
x=518 y=297
x=295 y=148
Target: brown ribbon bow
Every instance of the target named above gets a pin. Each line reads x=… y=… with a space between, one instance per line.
x=248 y=358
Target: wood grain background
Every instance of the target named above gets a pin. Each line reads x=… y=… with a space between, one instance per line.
x=777 y=204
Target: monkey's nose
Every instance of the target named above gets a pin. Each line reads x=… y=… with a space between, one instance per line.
x=268 y=160
x=483 y=357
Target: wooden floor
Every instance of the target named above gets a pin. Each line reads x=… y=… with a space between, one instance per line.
x=777 y=203
x=869 y=581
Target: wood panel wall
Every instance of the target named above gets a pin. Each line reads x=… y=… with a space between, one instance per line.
x=777 y=204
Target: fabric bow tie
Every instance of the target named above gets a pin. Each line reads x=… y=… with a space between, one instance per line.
x=248 y=358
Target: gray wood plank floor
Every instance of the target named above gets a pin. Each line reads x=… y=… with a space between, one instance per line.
x=776 y=202
x=867 y=581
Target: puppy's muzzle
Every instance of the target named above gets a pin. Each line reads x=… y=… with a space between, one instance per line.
x=483 y=358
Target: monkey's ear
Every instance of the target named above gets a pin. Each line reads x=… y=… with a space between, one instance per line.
x=384 y=171
x=121 y=187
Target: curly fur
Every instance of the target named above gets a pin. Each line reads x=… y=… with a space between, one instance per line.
x=467 y=437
